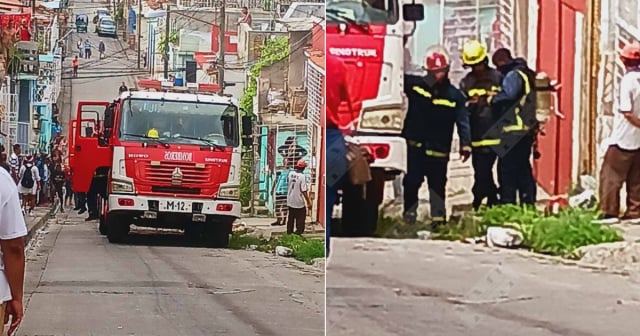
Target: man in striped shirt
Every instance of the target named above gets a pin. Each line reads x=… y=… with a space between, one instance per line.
x=15 y=162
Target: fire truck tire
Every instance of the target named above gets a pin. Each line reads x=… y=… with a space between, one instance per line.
x=102 y=227
x=217 y=234
x=117 y=228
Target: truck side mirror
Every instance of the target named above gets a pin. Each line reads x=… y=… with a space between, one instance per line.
x=247 y=126
x=413 y=12
x=108 y=117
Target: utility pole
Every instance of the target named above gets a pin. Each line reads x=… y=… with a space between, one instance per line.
x=125 y=13
x=139 y=29
x=167 y=31
x=223 y=31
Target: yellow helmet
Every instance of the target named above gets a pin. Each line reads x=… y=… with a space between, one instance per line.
x=153 y=133
x=473 y=52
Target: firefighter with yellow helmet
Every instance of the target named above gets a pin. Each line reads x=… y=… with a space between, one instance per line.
x=478 y=85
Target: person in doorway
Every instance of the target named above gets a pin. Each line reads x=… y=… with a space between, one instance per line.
x=144 y=59
x=516 y=102
x=481 y=82
x=246 y=17
x=622 y=160
x=435 y=107
x=75 y=63
x=280 y=188
x=101 y=49
x=297 y=198
x=29 y=184
x=15 y=162
x=13 y=229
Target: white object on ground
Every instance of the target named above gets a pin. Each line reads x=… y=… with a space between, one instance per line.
x=283 y=251
x=503 y=237
x=424 y=235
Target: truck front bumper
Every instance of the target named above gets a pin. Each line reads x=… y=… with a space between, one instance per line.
x=186 y=206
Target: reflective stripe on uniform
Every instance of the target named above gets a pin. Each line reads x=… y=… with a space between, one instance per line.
x=444 y=102
x=485 y=142
x=482 y=92
x=437 y=219
x=414 y=143
x=519 y=125
x=433 y=153
x=421 y=91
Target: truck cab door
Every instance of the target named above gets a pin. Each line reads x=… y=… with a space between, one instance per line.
x=89 y=155
x=73 y=124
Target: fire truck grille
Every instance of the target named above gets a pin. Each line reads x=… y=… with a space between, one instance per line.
x=176 y=190
x=164 y=172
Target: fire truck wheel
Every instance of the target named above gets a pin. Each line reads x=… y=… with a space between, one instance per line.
x=217 y=234
x=102 y=227
x=117 y=228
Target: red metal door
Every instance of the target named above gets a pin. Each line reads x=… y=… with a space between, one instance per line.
x=88 y=154
x=72 y=126
x=556 y=57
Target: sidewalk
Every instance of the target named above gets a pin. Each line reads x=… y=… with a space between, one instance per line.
x=261 y=226
x=36 y=221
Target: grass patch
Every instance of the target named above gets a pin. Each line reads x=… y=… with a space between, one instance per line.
x=304 y=249
x=558 y=235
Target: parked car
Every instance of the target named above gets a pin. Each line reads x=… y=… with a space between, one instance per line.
x=100 y=12
x=106 y=26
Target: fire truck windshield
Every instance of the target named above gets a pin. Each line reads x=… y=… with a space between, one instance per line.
x=362 y=11
x=181 y=122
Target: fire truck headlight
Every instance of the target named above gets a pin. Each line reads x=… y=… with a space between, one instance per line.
x=391 y=119
x=229 y=192
x=121 y=187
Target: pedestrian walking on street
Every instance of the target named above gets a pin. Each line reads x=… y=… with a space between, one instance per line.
x=15 y=162
x=13 y=229
x=68 y=192
x=87 y=49
x=58 y=180
x=435 y=107
x=75 y=64
x=80 y=46
x=336 y=149
x=101 y=49
x=29 y=183
x=297 y=199
x=517 y=102
x=144 y=59
x=481 y=82
x=622 y=160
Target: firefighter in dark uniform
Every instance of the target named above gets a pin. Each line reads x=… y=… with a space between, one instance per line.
x=517 y=102
x=434 y=107
x=477 y=85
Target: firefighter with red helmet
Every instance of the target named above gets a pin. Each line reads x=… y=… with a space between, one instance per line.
x=480 y=83
x=434 y=107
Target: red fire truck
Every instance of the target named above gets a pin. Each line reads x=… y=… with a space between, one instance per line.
x=369 y=37
x=167 y=159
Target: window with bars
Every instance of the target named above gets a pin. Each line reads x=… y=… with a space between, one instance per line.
x=314 y=91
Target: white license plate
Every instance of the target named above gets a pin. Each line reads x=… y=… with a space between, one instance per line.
x=175 y=206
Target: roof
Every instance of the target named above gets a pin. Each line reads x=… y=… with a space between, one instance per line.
x=7 y=6
x=186 y=97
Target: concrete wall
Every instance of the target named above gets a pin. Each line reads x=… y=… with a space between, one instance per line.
x=298 y=40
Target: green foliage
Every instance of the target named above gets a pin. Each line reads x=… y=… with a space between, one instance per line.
x=163 y=43
x=304 y=249
x=273 y=51
x=560 y=234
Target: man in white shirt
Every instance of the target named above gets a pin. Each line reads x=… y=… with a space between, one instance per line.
x=12 y=262
x=297 y=198
x=29 y=184
x=622 y=160
x=14 y=162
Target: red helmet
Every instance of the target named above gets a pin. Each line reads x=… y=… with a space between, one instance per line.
x=436 y=61
x=631 y=51
x=301 y=164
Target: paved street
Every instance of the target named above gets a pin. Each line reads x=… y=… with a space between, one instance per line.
x=156 y=284
x=413 y=287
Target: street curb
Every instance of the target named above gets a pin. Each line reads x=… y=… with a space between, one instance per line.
x=39 y=224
